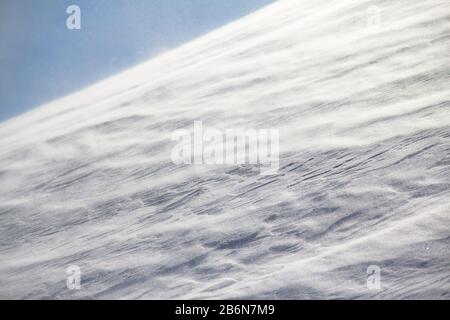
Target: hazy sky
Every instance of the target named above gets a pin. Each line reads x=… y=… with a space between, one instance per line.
x=40 y=59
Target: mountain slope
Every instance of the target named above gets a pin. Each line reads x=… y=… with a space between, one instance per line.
x=364 y=121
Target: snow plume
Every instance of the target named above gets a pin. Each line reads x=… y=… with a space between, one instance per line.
x=358 y=208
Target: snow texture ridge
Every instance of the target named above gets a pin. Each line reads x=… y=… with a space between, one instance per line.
x=364 y=178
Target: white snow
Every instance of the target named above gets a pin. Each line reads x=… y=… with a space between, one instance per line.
x=364 y=119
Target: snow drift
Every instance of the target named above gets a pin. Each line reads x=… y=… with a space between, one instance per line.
x=364 y=121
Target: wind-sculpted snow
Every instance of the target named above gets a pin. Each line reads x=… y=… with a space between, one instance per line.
x=364 y=180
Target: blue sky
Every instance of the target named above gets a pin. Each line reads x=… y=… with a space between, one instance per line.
x=41 y=60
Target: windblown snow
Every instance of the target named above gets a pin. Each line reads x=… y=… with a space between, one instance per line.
x=363 y=113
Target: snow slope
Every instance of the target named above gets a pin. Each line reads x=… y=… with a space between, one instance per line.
x=364 y=119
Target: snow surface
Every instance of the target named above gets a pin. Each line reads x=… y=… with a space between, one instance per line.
x=364 y=120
